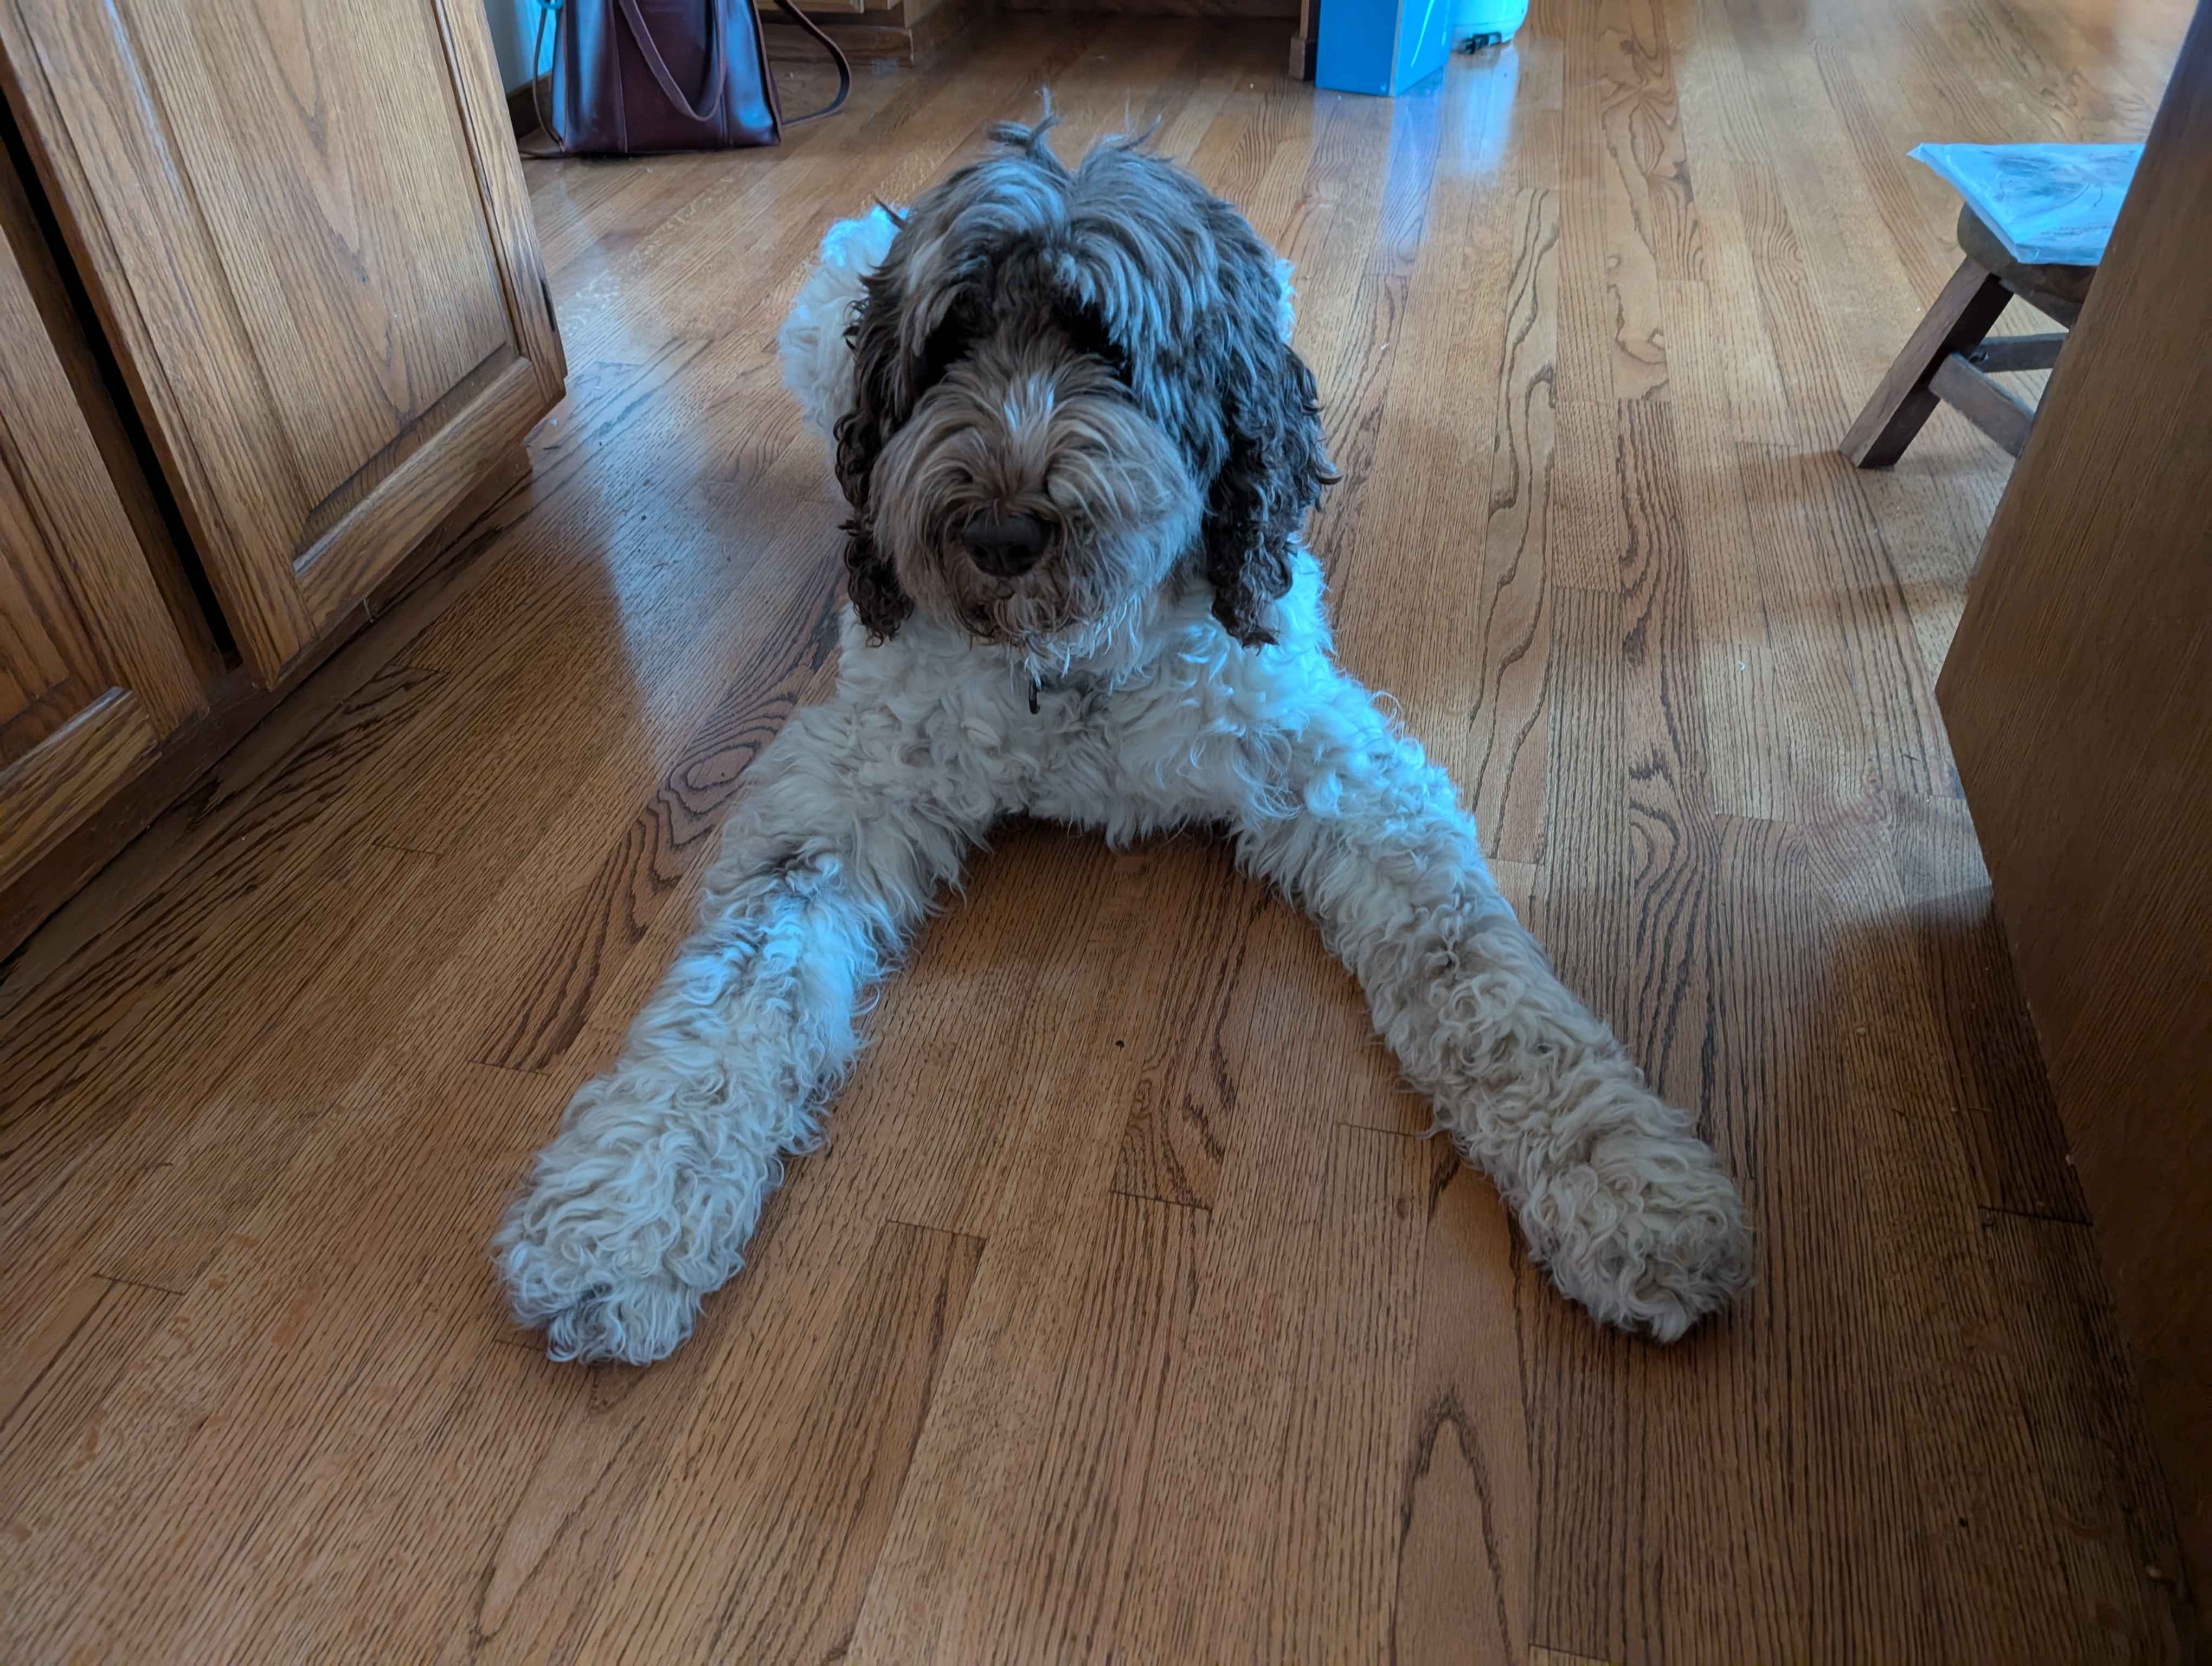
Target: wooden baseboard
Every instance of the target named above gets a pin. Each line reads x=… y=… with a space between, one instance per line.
x=1226 y=9
x=863 y=41
x=875 y=37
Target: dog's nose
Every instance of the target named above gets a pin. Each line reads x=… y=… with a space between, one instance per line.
x=1005 y=546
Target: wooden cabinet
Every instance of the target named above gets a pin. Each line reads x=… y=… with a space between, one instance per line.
x=2078 y=695
x=304 y=227
x=94 y=668
x=270 y=283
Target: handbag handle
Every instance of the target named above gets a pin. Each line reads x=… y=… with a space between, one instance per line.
x=718 y=62
x=837 y=56
x=547 y=11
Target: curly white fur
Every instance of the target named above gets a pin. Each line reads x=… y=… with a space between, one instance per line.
x=818 y=365
x=862 y=812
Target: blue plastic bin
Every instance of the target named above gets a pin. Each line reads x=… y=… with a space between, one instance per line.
x=1381 y=46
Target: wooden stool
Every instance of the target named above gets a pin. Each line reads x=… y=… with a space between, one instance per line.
x=1950 y=356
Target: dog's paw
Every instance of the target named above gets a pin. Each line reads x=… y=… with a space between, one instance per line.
x=1648 y=1234
x=595 y=1295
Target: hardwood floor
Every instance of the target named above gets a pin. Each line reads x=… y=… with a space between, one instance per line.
x=1128 y=1316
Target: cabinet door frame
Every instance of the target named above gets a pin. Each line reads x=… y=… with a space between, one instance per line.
x=88 y=103
x=82 y=584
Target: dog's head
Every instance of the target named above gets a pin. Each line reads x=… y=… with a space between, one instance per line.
x=1071 y=387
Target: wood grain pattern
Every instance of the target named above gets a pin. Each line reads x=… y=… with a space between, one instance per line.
x=303 y=230
x=94 y=669
x=1995 y=1064
x=1465 y=1502
x=669 y=838
x=2077 y=704
x=175 y=789
x=1327 y=1562
x=846 y=1439
x=1183 y=1101
x=1063 y=1593
x=82 y=492
x=111 y=1322
x=65 y=778
x=2116 y=1537
x=1505 y=789
x=1126 y=1315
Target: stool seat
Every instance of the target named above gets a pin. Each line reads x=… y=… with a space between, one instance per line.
x=2058 y=291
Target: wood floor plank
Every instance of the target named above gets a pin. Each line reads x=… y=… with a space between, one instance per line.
x=1767 y=1520
x=1578 y=1450
x=642 y=572
x=1589 y=531
x=1229 y=1395
x=1329 y=1561
x=127 y=1007
x=35 y=1347
x=106 y=1324
x=1828 y=1559
x=1589 y=320
x=1746 y=764
x=1671 y=832
x=1434 y=428
x=215 y=1455
x=1983 y=1524
x=127 y=1135
x=603 y=921
x=1994 y=1062
x=1588 y=852
x=1183 y=1100
x=553 y=1543
x=1062 y=1591
x=790 y=1560
x=1896 y=740
x=984 y=1440
x=1466 y=1507
x=1507 y=749
x=2116 y=1530
x=1357 y=255
x=1648 y=214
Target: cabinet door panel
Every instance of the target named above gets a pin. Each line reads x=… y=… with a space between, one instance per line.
x=305 y=226
x=331 y=164
x=94 y=670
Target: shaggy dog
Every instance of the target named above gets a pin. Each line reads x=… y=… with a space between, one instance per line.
x=1078 y=449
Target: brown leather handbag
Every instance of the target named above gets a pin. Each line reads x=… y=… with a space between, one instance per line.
x=631 y=77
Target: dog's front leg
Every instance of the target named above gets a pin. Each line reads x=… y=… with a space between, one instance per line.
x=641 y=1205
x=1615 y=1194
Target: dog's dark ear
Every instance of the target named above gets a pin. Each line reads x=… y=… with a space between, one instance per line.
x=1275 y=464
x=871 y=580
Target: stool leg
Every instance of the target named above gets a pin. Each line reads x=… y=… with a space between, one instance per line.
x=1962 y=315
